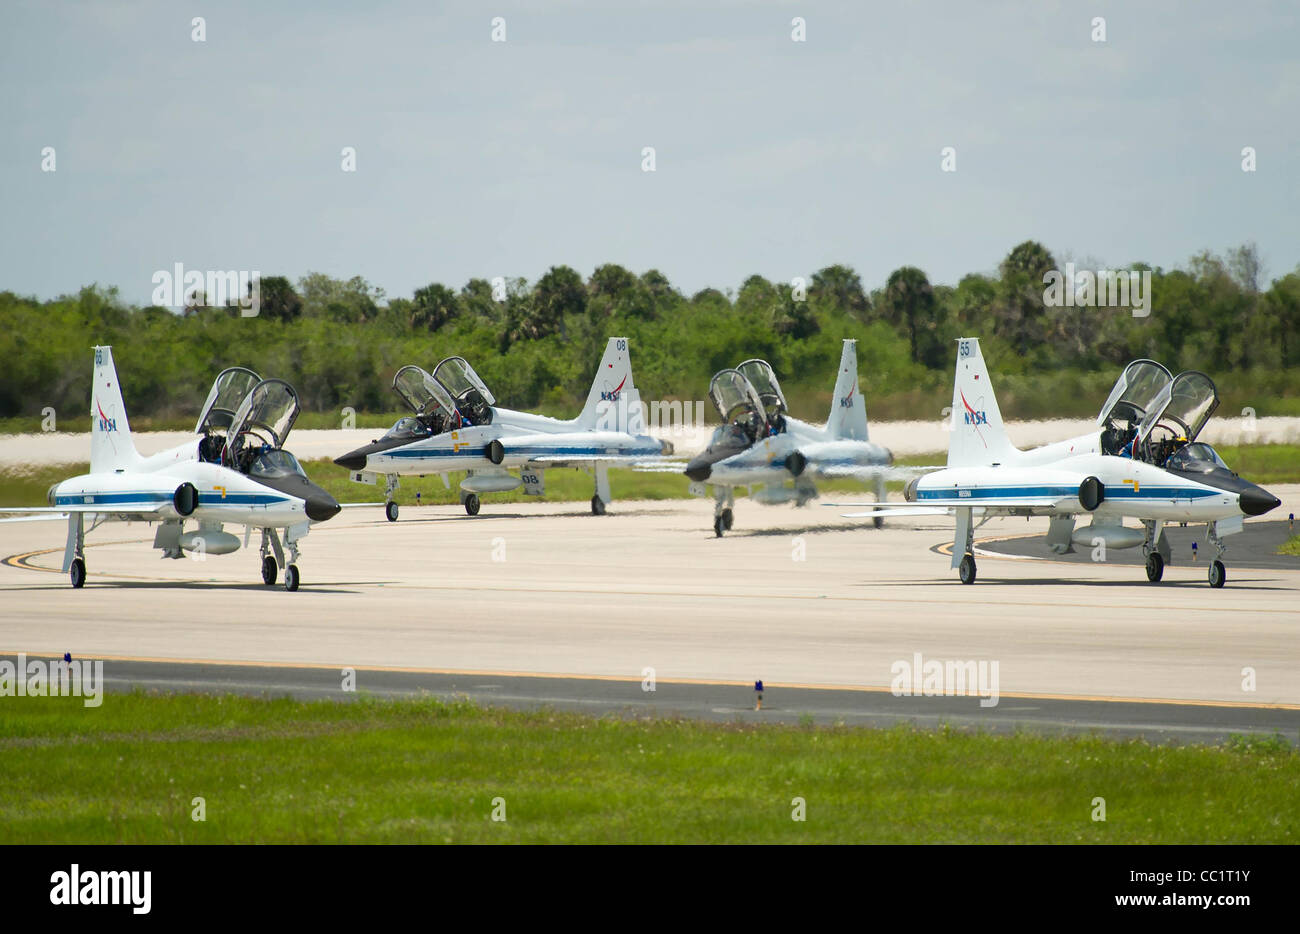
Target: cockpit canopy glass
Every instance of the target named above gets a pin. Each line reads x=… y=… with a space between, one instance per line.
x=1134 y=392
x=760 y=375
x=1184 y=405
x=424 y=394
x=275 y=464
x=736 y=400
x=266 y=415
x=471 y=395
x=229 y=389
x=1197 y=457
x=408 y=427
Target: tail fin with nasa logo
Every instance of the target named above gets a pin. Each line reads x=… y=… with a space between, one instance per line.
x=111 y=447
x=613 y=404
x=977 y=436
x=848 y=418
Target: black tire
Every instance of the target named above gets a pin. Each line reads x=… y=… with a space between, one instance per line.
x=1155 y=567
x=291 y=579
x=879 y=522
x=597 y=506
x=270 y=571
x=472 y=504
x=719 y=526
x=1218 y=575
x=967 y=569
x=78 y=573
x=390 y=510
x=727 y=519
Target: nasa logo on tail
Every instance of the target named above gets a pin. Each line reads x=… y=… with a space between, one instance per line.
x=105 y=423
x=613 y=394
x=847 y=401
x=974 y=417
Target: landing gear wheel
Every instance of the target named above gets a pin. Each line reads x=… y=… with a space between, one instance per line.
x=967 y=569
x=879 y=522
x=390 y=510
x=727 y=519
x=1217 y=575
x=597 y=506
x=472 y=504
x=719 y=525
x=1155 y=567
x=78 y=573
x=291 y=578
x=269 y=571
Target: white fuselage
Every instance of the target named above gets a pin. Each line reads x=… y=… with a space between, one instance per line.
x=526 y=440
x=766 y=461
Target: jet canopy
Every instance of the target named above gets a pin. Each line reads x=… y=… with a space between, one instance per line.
x=760 y=376
x=1197 y=457
x=737 y=402
x=1176 y=416
x=473 y=399
x=434 y=409
x=263 y=420
x=1135 y=390
x=229 y=389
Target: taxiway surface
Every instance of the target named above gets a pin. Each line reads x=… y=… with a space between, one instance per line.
x=798 y=598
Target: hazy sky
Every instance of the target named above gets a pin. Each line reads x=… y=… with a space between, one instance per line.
x=481 y=158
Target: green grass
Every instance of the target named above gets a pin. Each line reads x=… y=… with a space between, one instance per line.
x=422 y=770
x=1290 y=547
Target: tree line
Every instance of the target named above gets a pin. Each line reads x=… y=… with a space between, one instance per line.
x=340 y=341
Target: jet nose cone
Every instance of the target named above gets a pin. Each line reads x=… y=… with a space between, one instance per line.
x=353 y=460
x=698 y=471
x=1256 y=501
x=322 y=506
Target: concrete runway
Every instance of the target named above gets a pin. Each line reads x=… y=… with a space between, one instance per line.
x=818 y=613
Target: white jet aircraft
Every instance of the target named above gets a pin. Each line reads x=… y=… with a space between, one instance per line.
x=456 y=425
x=235 y=471
x=1144 y=463
x=760 y=446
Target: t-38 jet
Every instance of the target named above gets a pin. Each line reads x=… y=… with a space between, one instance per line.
x=456 y=425
x=235 y=471
x=760 y=446
x=1144 y=462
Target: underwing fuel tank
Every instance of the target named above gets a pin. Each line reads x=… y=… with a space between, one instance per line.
x=490 y=483
x=1115 y=536
x=209 y=542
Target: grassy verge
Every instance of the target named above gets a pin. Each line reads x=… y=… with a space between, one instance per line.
x=421 y=770
x=1290 y=547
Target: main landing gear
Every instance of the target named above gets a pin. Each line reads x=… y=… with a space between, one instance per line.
x=273 y=559
x=1157 y=554
x=963 y=543
x=597 y=505
x=472 y=504
x=76 y=548
x=390 y=507
x=722 y=516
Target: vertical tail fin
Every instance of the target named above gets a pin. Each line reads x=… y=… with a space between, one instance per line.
x=848 y=418
x=111 y=447
x=978 y=437
x=613 y=404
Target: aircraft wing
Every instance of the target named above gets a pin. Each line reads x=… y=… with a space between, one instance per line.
x=634 y=462
x=870 y=473
x=1012 y=505
x=56 y=511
